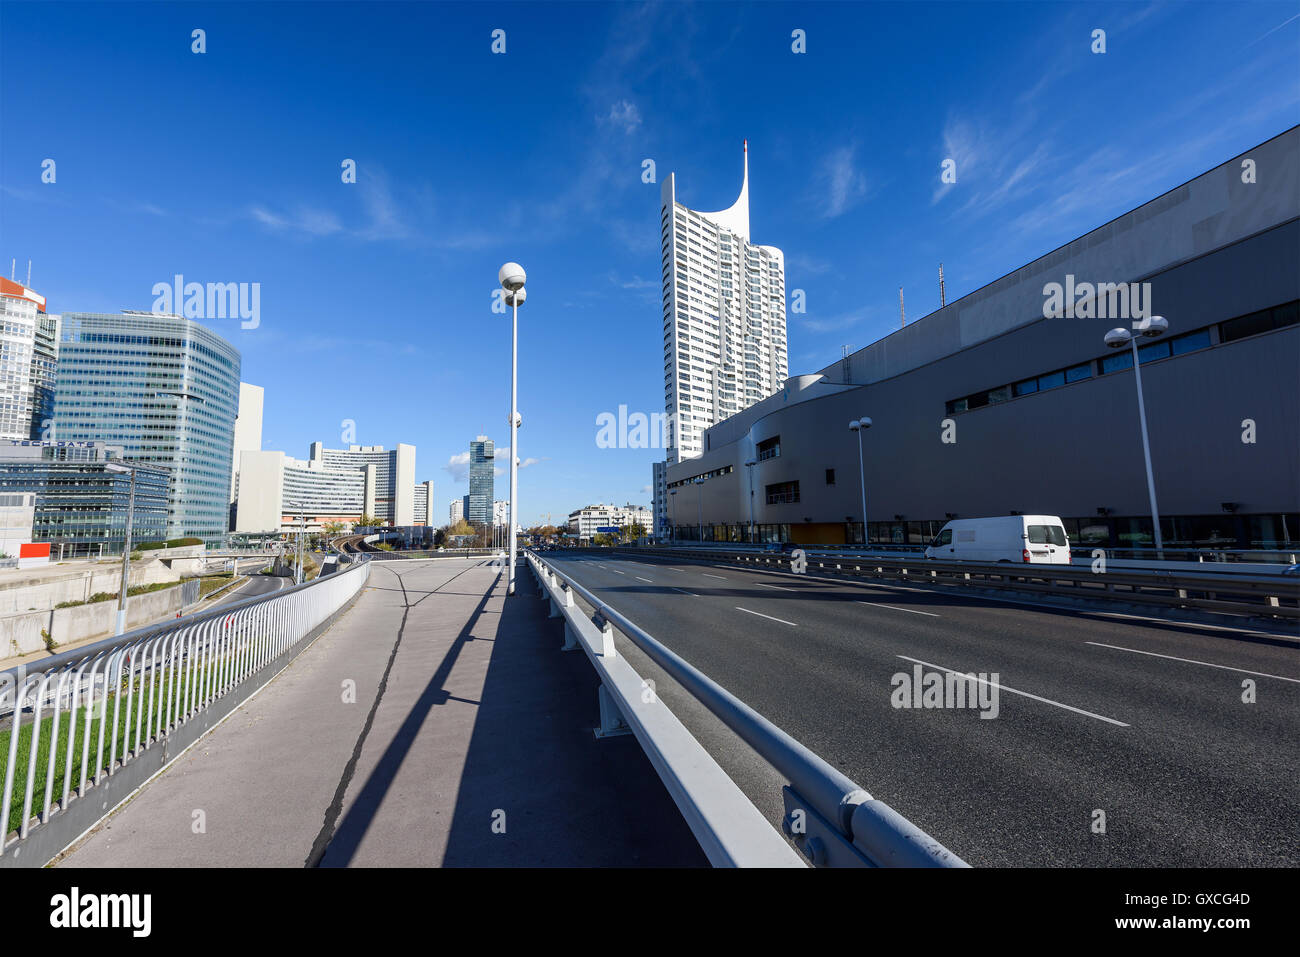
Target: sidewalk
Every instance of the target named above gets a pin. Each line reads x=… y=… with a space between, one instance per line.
x=467 y=720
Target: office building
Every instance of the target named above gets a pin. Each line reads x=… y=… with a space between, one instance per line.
x=997 y=403
x=456 y=511
x=81 y=500
x=280 y=493
x=594 y=519
x=163 y=388
x=424 y=503
x=248 y=428
x=28 y=353
x=394 y=501
x=724 y=320
x=482 y=481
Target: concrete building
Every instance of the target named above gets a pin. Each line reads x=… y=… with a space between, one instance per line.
x=424 y=503
x=588 y=521
x=723 y=317
x=248 y=429
x=394 y=497
x=28 y=353
x=988 y=406
x=456 y=511
x=165 y=389
x=500 y=513
x=277 y=492
x=80 y=502
x=482 y=481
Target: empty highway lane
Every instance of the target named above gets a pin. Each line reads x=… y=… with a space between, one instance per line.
x=1084 y=739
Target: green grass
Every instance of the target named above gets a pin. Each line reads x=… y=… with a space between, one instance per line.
x=161 y=685
x=211 y=583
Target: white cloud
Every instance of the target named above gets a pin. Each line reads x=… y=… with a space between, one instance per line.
x=625 y=114
x=840 y=184
x=458 y=466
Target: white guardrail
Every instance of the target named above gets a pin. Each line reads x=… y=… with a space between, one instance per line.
x=165 y=686
x=832 y=820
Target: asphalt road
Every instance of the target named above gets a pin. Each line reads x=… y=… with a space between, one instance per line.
x=1140 y=720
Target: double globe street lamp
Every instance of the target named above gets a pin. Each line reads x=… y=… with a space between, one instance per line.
x=1150 y=328
x=512 y=278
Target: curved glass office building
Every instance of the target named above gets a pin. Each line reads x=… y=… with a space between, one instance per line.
x=166 y=390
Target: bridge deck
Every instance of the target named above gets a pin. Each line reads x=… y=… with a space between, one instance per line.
x=466 y=714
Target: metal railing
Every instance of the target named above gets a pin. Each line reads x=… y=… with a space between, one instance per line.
x=832 y=820
x=164 y=687
x=1256 y=595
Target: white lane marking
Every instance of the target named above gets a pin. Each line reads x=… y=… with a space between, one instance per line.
x=1193 y=661
x=617 y=572
x=910 y=611
x=707 y=575
x=777 y=587
x=598 y=564
x=761 y=615
x=1025 y=694
x=685 y=592
x=640 y=579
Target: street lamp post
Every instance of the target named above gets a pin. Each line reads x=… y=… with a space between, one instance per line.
x=1150 y=328
x=859 y=426
x=512 y=278
x=672 y=503
x=126 y=544
x=699 y=482
x=749 y=467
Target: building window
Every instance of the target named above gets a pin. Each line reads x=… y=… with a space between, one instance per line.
x=769 y=449
x=830 y=476
x=1079 y=372
x=783 y=493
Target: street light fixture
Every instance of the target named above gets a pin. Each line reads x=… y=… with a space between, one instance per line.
x=859 y=426
x=120 y=467
x=699 y=481
x=512 y=278
x=749 y=467
x=1150 y=328
x=302 y=535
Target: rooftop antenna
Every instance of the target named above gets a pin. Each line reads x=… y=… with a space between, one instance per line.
x=902 y=316
x=943 y=301
x=13 y=268
x=28 y=284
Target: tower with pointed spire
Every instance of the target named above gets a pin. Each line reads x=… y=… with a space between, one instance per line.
x=723 y=316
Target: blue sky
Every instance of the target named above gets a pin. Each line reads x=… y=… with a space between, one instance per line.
x=376 y=296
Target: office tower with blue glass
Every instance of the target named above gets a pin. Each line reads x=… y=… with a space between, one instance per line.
x=482 y=481
x=166 y=390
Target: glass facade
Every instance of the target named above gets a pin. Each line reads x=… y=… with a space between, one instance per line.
x=482 y=481
x=166 y=390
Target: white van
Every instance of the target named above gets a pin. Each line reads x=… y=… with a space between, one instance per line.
x=1036 y=539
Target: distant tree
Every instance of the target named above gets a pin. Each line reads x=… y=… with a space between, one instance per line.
x=632 y=532
x=367 y=521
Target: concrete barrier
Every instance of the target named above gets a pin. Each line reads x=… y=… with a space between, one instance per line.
x=21 y=634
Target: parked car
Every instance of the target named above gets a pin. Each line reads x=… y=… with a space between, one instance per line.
x=1032 y=539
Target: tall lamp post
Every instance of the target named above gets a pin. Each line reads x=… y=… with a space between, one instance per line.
x=120 y=467
x=672 y=503
x=749 y=467
x=1150 y=328
x=512 y=278
x=859 y=426
x=699 y=483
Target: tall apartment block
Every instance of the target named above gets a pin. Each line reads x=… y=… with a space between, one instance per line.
x=723 y=318
x=166 y=390
x=28 y=353
x=394 y=476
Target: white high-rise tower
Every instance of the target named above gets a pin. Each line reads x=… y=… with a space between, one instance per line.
x=723 y=313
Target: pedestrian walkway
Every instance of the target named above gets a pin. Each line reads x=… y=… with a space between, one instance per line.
x=435 y=724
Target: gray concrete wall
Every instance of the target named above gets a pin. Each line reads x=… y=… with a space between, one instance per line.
x=21 y=591
x=21 y=634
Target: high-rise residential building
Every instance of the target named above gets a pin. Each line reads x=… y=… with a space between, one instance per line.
x=482 y=481
x=456 y=511
x=394 y=500
x=28 y=352
x=166 y=390
x=281 y=493
x=248 y=429
x=424 y=503
x=501 y=513
x=723 y=318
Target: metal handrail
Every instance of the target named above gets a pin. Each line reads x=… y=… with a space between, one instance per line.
x=158 y=678
x=830 y=792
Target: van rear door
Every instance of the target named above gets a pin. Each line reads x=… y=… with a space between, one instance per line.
x=1047 y=544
